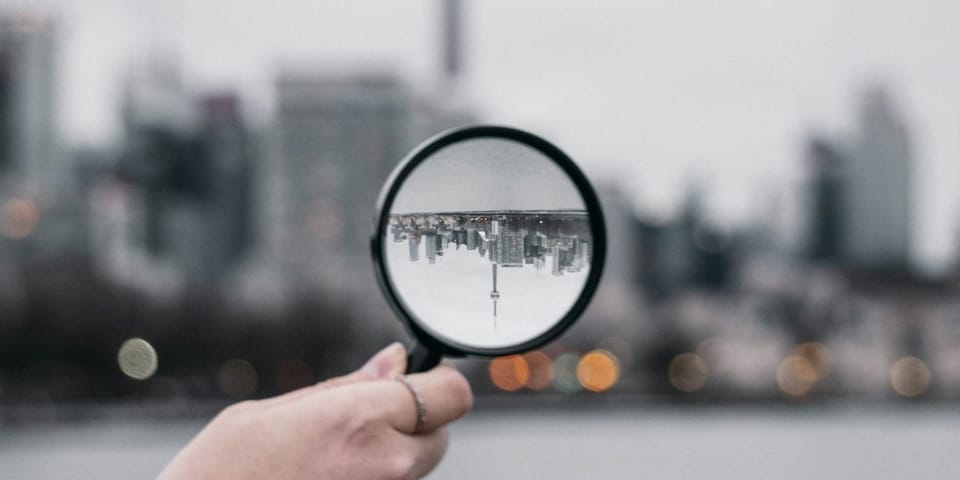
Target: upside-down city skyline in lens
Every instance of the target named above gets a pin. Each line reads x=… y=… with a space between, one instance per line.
x=488 y=242
x=440 y=274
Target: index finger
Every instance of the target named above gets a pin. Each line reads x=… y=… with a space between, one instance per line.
x=445 y=394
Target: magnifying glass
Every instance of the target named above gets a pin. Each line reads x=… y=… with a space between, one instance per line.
x=489 y=241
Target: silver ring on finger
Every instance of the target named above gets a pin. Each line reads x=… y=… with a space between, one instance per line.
x=418 y=398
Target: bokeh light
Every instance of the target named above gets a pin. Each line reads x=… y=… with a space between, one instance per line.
x=137 y=359
x=293 y=373
x=238 y=378
x=796 y=376
x=910 y=377
x=716 y=353
x=687 y=372
x=509 y=373
x=541 y=370
x=18 y=218
x=598 y=371
x=818 y=355
x=565 y=373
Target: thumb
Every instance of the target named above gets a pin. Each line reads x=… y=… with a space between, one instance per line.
x=386 y=363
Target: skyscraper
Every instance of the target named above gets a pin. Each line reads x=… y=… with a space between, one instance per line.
x=510 y=248
x=191 y=164
x=158 y=148
x=447 y=105
x=30 y=157
x=229 y=150
x=451 y=39
x=337 y=136
x=827 y=200
x=880 y=172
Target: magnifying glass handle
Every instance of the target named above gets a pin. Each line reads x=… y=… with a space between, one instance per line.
x=421 y=359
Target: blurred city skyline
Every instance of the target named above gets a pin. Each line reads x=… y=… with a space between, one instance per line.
x=651 y=92
x=251 y=208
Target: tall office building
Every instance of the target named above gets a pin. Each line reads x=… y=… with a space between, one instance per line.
x=158 y=122
x=451 y=39
x=190 y=162
x=827 y=209
x=228 y=152
x=337 y=137
x=30 y=159
x=510 y=248
x=448 y=105
x=880 y=172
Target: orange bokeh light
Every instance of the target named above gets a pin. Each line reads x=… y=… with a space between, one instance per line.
x=18 y=218
x=509 y=373
x=797 y=376
x=818 y=355
x=541 y=370
x=598 y=371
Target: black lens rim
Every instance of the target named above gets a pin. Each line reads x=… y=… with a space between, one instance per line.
x=389 y=192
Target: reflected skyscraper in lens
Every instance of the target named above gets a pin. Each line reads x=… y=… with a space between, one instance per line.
x=509 y=240
x=506 y=240
x=510 y=248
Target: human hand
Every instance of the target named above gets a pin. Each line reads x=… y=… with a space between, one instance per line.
x=363 y=425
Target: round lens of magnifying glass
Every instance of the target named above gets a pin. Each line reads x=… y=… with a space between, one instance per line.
x=488 y=243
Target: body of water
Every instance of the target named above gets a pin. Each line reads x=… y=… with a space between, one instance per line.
x=621 y=442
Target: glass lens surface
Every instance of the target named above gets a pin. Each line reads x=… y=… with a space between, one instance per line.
x=488 y=243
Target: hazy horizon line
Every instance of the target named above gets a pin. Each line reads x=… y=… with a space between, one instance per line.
x=497 y=212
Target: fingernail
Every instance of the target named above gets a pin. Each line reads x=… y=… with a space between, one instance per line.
x=385 y=361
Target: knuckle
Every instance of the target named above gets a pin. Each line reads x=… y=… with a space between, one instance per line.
x=400 y=466
x=362 y=429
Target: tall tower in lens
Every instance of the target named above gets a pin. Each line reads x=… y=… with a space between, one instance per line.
x=494 y=295
x=879 y=203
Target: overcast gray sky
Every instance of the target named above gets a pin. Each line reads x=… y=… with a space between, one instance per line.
x=649 y=92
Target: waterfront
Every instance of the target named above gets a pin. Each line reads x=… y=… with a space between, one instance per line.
x=803 y=442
